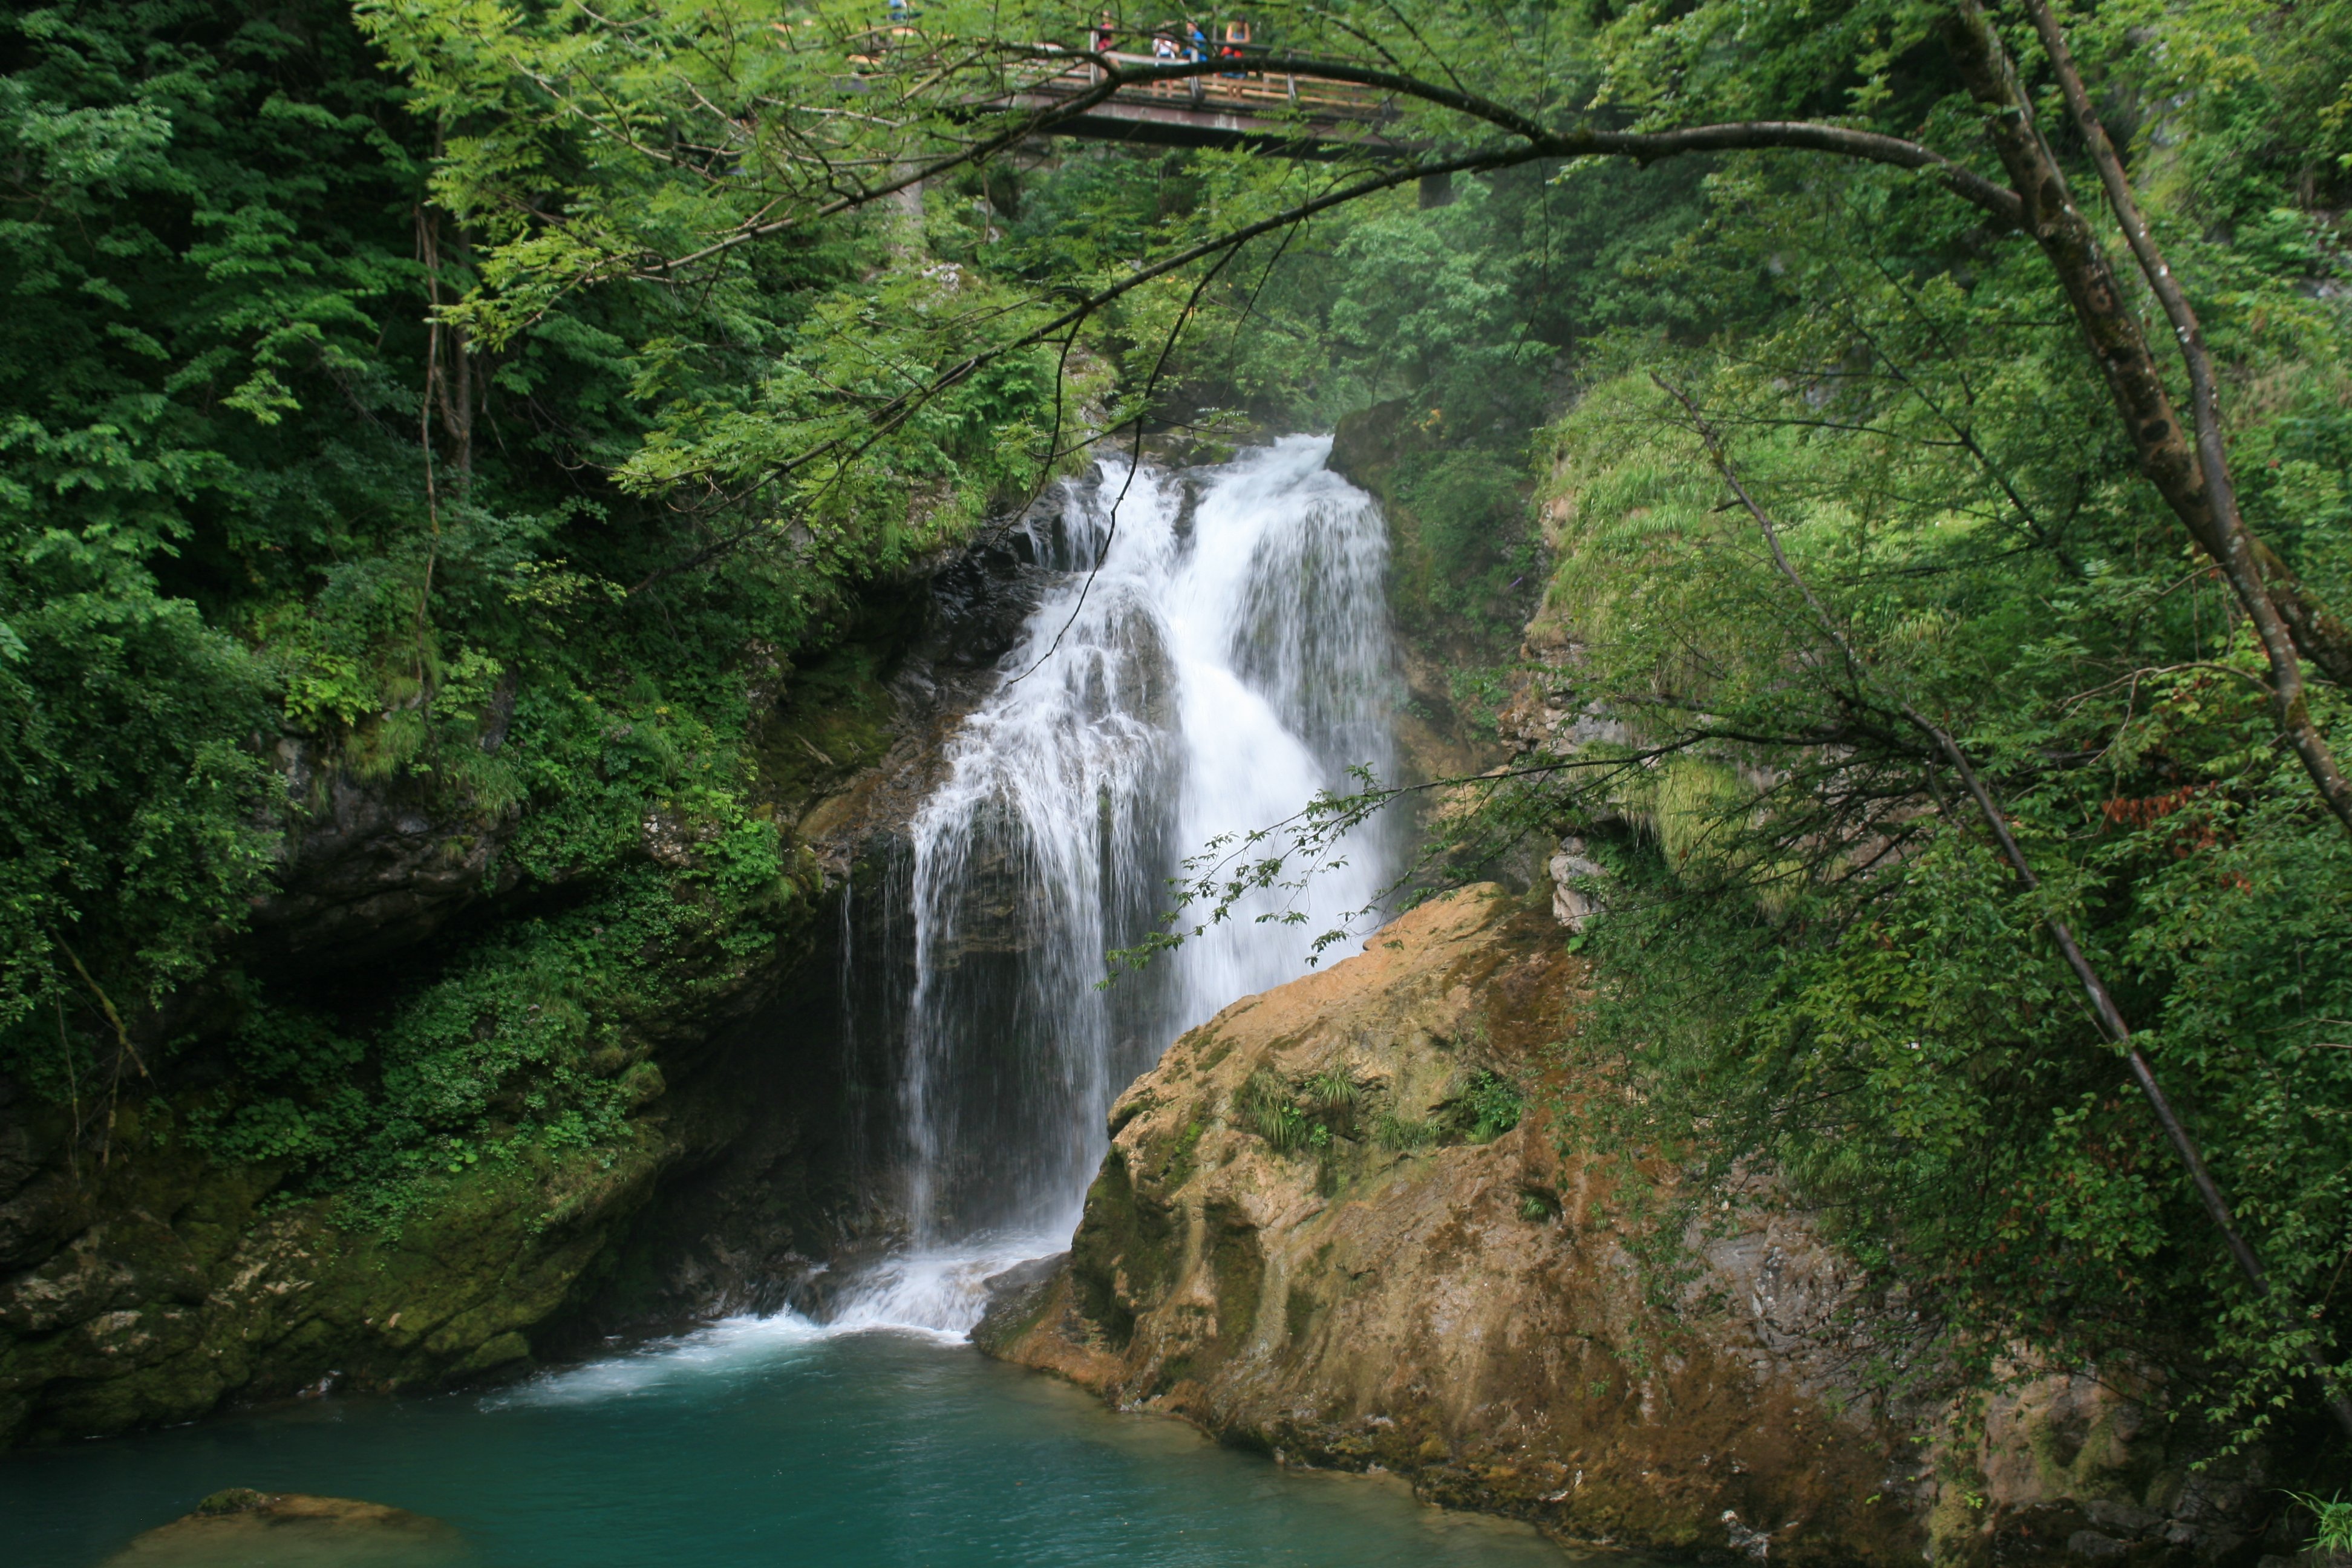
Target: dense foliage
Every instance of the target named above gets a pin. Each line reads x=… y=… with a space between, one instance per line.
x=1822 y=967
x=272 y=522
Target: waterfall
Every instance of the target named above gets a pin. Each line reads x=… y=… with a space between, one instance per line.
x=1210 y=650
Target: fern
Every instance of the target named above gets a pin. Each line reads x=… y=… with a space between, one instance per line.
x=1268 y=1110
x=2333 y=1518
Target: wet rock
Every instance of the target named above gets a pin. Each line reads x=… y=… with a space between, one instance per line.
x=2122 y=1517
x=240 y=1527
x=367 y=871
x=981 y=603
x=1016 y=1299
x=138 y=1321
x=118 y=1264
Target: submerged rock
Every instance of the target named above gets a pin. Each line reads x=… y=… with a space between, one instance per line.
x=265 y=1530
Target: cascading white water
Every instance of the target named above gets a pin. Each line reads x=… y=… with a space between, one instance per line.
x=1209 y=654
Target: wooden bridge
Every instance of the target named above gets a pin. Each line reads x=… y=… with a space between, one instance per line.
x=1238 y=107
x=1294 y=112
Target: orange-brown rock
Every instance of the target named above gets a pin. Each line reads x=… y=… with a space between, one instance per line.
x=1314 y=1234
x=1395 y=1291
x=265 y=1530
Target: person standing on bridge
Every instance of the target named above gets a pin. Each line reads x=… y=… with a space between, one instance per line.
x=1163 y=45
x=1200 y=43
x=1237 y=38
x=1105 y=34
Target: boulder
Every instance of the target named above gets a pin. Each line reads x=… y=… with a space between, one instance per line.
x=249 y=1529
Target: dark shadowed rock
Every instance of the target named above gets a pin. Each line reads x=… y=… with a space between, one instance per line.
x=1016 y=1298
x=367 y=871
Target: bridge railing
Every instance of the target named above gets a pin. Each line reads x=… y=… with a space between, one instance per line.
x=1237 y=86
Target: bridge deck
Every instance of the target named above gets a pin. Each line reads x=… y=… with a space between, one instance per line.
x=1237 y=109
x=1303 y=115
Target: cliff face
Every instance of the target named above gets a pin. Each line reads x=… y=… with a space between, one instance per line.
x=1433 y=582
x=1414 y=1290
x=178 y=1289
x=146 y=1277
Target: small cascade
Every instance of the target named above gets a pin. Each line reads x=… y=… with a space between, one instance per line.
x=1210 y=650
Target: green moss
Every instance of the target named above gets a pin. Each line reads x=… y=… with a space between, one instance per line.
x=833 y=719
x=1123 y=1236
x=1178 y=1168
x=501 y=1351
x=1298 y=1307
x=1238 y=1264
x=232 y=1500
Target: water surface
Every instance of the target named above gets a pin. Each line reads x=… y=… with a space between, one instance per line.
x=764 y=1442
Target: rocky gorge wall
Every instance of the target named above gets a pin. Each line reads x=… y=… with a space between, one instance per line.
x=145 y=1279
x=1336 y=1222
x=1416 y=1289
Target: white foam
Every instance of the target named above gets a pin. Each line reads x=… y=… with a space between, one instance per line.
x=938 y=1292
x=1180 y=683
x=728 y=1346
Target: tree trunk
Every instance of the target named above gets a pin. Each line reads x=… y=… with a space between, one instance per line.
x=2194 y=485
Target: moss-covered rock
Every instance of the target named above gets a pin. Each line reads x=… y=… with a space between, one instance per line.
x=618 y=1115
x=191 y=1289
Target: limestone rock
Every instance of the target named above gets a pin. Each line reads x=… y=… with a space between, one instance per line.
x=1463 y=1312
x=1395 y=1292
x=1572 y=903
